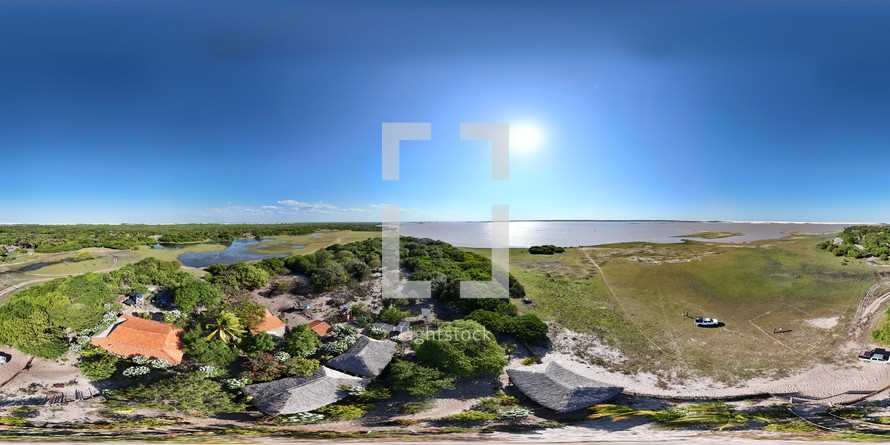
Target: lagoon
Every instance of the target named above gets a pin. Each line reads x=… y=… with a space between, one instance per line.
x=235 y=252
x=525 y=234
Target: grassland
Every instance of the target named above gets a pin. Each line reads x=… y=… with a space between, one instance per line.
x=753 y=288
x=311 y=242
x=711 y=235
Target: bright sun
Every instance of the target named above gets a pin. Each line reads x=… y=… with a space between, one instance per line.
x=525 y=137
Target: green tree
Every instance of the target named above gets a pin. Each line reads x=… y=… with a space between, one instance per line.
x=239 y=276
x=392 y=315
x=528 y=328
x=225 y=327
x=272 y=266
x=261 y=342
x=300 y=341
x=301 y=264
x=96 y=364
x=418 y=380
x=461 y=348
x=300 y=366
x=329 y=276
x=196 y=293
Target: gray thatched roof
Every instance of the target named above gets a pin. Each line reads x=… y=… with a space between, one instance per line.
x=366 y=357
x=300 y=394
x=560 y=389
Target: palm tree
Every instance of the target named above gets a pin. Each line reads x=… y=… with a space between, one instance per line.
x=227 y=327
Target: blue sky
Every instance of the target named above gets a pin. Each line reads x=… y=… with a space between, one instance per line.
x=270 y=111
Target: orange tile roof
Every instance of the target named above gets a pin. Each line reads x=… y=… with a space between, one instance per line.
x=269 y=323
x=136 y=336
x=321 y=328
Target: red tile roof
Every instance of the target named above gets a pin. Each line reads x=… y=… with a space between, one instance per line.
x=136 y=336
x=269 y=323
x=321 y=328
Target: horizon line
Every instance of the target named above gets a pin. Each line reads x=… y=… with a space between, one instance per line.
x=449 y=221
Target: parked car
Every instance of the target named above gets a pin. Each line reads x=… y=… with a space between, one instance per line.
x=704 y=322
x=877 y=355
x=4 y=358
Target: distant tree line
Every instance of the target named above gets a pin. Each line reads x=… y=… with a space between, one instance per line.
x=860 y=242
x=130 y=236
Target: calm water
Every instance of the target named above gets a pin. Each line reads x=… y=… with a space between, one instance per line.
x=236 y=252
x=590 y=233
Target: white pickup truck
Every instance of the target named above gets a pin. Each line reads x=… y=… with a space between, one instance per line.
x=704 y=322
x=877 y=355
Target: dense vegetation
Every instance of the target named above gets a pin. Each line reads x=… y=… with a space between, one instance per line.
x=44 y=238
x=861 y=242
x=463 y=348
x=37 y=320
x=546 y=249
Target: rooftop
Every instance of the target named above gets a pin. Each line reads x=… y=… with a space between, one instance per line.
x=300 y=394
x=366 y=358
x=131 y=336
x=560 y=389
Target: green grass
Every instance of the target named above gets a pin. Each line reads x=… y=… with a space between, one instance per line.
x=711 y=235
x=765 y=285
x=313 y=242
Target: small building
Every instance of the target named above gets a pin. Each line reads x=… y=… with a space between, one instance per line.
x=385 y=327
x=270 y=325
x=553 y=386
x=130 y=336
x=426 y=313
x=321 y=328
x=366 y=358
x=300 y=394
x=404 y=326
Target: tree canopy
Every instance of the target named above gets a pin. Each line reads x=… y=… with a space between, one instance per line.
x=461 y=348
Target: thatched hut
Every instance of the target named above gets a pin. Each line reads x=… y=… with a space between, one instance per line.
x=300 y=394
x=560 y=389
x=366 y=358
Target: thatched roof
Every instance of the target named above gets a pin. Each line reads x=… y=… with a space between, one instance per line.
x=367 y=357
x=300 y=394
x=560 y=389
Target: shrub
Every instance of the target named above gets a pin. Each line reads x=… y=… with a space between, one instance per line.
x=140 y=359
x=272 y=266
x=472 y=416
x=418 y=380
x=211 y=352
x=262 y=367
x=83 y=256
x=208 y=371
x=343 y=412
x=237 y=383
x=392 y=315
x=547 y=249
x=281 y=287
x=498 y=401
x=190 y=393
x=136 y=371
x=516 y=414
x=528 y=328
x=262 y=342
x=340 y=346
x=300 y=341
x=159 y=364
x=305 y=418
x=100 y=366
x=300 y=366
x=376 y=333
x=461 y=348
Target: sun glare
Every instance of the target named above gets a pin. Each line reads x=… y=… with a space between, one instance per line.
x=525 y=137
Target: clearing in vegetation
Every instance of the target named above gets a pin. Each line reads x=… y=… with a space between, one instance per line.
x=753 y=288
